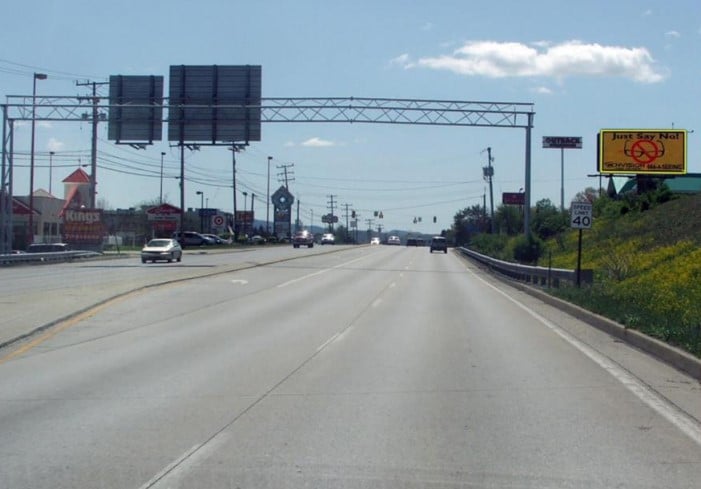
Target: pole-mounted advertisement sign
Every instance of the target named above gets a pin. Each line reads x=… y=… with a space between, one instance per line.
x=642 y=151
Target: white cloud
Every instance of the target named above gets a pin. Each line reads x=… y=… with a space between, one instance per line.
x=44 y=124
x=401 y=60
x=513 y=59
x=290 y=144
x=317 y=143
x=543 y=90
x=647 y=13
x=55 y=145
x=672 y=35
x=427 y=26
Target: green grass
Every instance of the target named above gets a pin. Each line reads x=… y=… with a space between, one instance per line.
x=647 y=268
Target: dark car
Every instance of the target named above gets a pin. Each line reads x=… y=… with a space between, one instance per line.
x=415 y=242
x=191 y=238
x=47 y=247
x=303 y=238
x=439 y=243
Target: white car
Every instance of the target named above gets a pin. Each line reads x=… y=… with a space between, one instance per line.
x=162 y=249
x=394 y=240
x=375 y=241
x=328 y=238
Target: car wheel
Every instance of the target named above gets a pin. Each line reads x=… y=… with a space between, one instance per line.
x=295 y=246
x=179 y=258
x=143 y=260
x=310 y=246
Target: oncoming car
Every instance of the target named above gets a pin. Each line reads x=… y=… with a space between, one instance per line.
x=328 y=238
x=375 y=241
x=394 y=240
x=303 y=238
x=161 y=249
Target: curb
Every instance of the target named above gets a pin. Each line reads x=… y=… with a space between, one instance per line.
x=669 y=354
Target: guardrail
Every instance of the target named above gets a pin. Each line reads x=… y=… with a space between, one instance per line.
x=54 y=256
x=550 y=277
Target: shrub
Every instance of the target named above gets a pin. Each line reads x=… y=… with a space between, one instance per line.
x=527 y=249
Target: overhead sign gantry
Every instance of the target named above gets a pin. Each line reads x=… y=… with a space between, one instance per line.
x=230 y=113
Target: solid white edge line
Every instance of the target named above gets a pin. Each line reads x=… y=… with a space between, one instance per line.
x=688 y=425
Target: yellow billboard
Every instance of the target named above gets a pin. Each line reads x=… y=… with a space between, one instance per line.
x=642 y=151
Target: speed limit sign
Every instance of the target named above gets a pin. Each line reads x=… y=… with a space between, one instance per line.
x=580 y=215
x=218 y=221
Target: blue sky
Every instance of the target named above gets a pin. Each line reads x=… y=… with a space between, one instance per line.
x=585 y=65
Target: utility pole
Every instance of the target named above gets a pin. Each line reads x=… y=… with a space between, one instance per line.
x=488 y=172
x=347 y=215
x=331 y=206
x=298 y=223
x=285 y=175
x=235 y=148
x=93 y=153
x=267 y=201
x=370 y=222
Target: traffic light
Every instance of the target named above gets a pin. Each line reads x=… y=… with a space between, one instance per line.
x=353 y=214
x=434 y=219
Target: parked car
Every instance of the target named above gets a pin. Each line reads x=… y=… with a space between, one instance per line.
x=303 y=238
x=328 y=238
x=191 y=238
x=47 y=247
x=394 y=240
x=161 y=249
x=217 y=239
x=439 y=243
x=257 y=240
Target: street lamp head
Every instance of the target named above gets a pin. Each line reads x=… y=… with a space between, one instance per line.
x=199 y=192
x=163 y=153
x=40 y=76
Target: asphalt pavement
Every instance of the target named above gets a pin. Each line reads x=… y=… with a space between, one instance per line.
x=366 y=367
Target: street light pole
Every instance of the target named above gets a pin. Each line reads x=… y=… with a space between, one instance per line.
x=160 y=199
x=37 y=76
x=201 y=194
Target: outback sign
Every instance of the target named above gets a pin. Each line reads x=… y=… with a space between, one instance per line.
x=642 y=151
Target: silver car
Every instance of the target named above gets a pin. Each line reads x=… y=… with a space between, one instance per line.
x=162 y=249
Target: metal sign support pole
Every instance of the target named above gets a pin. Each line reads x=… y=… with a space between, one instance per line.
x=579 y=260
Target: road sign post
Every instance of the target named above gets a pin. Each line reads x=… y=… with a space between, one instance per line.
x=580 y=218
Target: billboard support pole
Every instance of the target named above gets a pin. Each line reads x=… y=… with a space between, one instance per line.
x=182 y=189
x=562 y=179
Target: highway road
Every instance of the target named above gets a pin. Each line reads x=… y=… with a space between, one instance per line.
x=368 y=367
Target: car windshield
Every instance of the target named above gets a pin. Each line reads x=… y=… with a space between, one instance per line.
x=159 y=243
x=350 y=244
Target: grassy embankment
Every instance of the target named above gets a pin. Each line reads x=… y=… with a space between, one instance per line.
x=647 y=268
